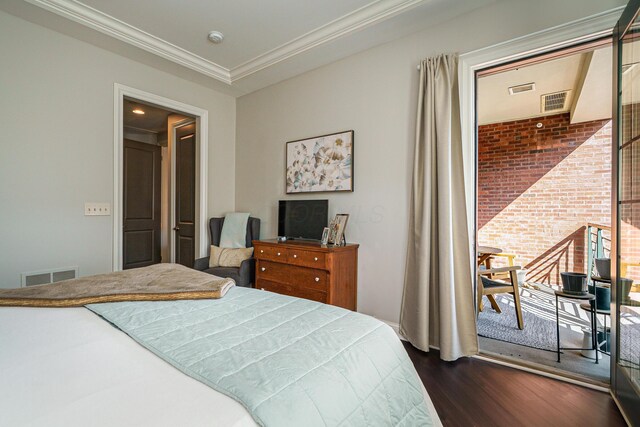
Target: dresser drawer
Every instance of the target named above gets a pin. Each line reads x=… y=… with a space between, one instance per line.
x=272 y=253
x=298 y=277
x=307 y=258
x=284 y=289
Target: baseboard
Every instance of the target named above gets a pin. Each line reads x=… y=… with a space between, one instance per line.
x=396 y=329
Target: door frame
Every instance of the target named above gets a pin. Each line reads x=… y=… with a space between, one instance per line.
x=202 y=141
x=538 y=43
x=623 y=391
x=562 y=36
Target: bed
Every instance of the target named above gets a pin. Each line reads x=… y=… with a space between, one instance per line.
x=71 y=367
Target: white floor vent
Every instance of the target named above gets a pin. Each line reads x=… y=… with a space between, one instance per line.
x=48 y=276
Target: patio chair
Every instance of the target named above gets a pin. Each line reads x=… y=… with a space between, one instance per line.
x=488 y=286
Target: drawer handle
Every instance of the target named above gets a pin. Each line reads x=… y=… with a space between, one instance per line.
x=295 y=256
x=261 y=251
x=264 y=269
x=315 y=258
x=317 y=279
x=278 y=253
x=262 y=289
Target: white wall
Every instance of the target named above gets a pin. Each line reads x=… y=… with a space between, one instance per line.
x=56 y=101
x=373 y=93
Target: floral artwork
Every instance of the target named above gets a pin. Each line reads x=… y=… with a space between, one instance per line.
x=324 y=163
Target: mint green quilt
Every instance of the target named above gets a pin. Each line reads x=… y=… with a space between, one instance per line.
x=289 y=361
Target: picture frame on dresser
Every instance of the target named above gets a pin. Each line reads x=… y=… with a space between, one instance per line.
x=325 y=236
x=336 y=229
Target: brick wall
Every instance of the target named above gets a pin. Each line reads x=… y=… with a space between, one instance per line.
x=539 y=187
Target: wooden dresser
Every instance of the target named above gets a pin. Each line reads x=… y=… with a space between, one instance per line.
x=308 y=270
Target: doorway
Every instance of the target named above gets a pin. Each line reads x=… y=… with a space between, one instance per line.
x=543 y=206
x=160 y=180
x=622 y=26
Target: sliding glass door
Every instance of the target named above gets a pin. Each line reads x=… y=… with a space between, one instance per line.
x=625 y=366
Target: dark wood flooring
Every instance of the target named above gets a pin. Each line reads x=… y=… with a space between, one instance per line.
x=472 y=392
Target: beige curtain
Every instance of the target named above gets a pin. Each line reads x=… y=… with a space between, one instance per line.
x=437 y=303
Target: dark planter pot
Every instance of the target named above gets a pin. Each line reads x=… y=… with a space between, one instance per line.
x=603 y=265
x=574 y=283
x=603 y=296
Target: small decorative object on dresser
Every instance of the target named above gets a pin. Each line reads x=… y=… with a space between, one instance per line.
x=336 y=229
x=310 y=270
x=325 y=236
x=322 y=163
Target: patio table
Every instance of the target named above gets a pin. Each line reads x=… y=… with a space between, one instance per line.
x=484 y=257
x=485 y=253
x=594 y=337
x=589 y=308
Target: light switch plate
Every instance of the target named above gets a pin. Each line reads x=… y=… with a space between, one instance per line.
x=97 y=209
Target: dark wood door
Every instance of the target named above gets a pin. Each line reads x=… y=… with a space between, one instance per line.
x=141 y=204
x=185 y=228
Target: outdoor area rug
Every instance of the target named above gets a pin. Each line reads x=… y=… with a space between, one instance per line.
x=539 y=331
x=630 y=338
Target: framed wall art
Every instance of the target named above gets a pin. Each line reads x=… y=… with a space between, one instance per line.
x=320 y=164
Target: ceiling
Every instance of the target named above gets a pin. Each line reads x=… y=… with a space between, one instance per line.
x=265 y=41
x=154 y=119
x=251 y=27
x=586 y=76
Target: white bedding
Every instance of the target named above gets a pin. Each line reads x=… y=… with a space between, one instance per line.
x=68 y=367
x=64 y=367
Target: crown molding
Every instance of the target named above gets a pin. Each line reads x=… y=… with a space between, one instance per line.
x=120 y=30
x=367 y=15
x=352 y=22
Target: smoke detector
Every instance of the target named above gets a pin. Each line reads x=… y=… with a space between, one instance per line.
x=215 y=37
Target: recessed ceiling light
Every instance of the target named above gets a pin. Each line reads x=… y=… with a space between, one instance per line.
x=138 y=111
x=215 y=37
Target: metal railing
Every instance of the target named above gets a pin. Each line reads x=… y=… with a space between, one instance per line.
x=598 y=245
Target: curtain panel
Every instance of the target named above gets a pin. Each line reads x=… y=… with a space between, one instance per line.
x=438 y=300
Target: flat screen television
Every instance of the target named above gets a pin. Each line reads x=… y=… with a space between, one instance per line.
x=302 y=219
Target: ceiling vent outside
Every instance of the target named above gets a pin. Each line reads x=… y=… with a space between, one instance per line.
x=528 y=87
x=553 y=101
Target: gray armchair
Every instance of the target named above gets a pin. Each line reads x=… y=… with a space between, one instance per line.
x=243 y=275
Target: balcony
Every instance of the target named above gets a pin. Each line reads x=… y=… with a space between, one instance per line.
x=536 y=343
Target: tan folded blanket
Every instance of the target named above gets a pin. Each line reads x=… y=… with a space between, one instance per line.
x=154 y=283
